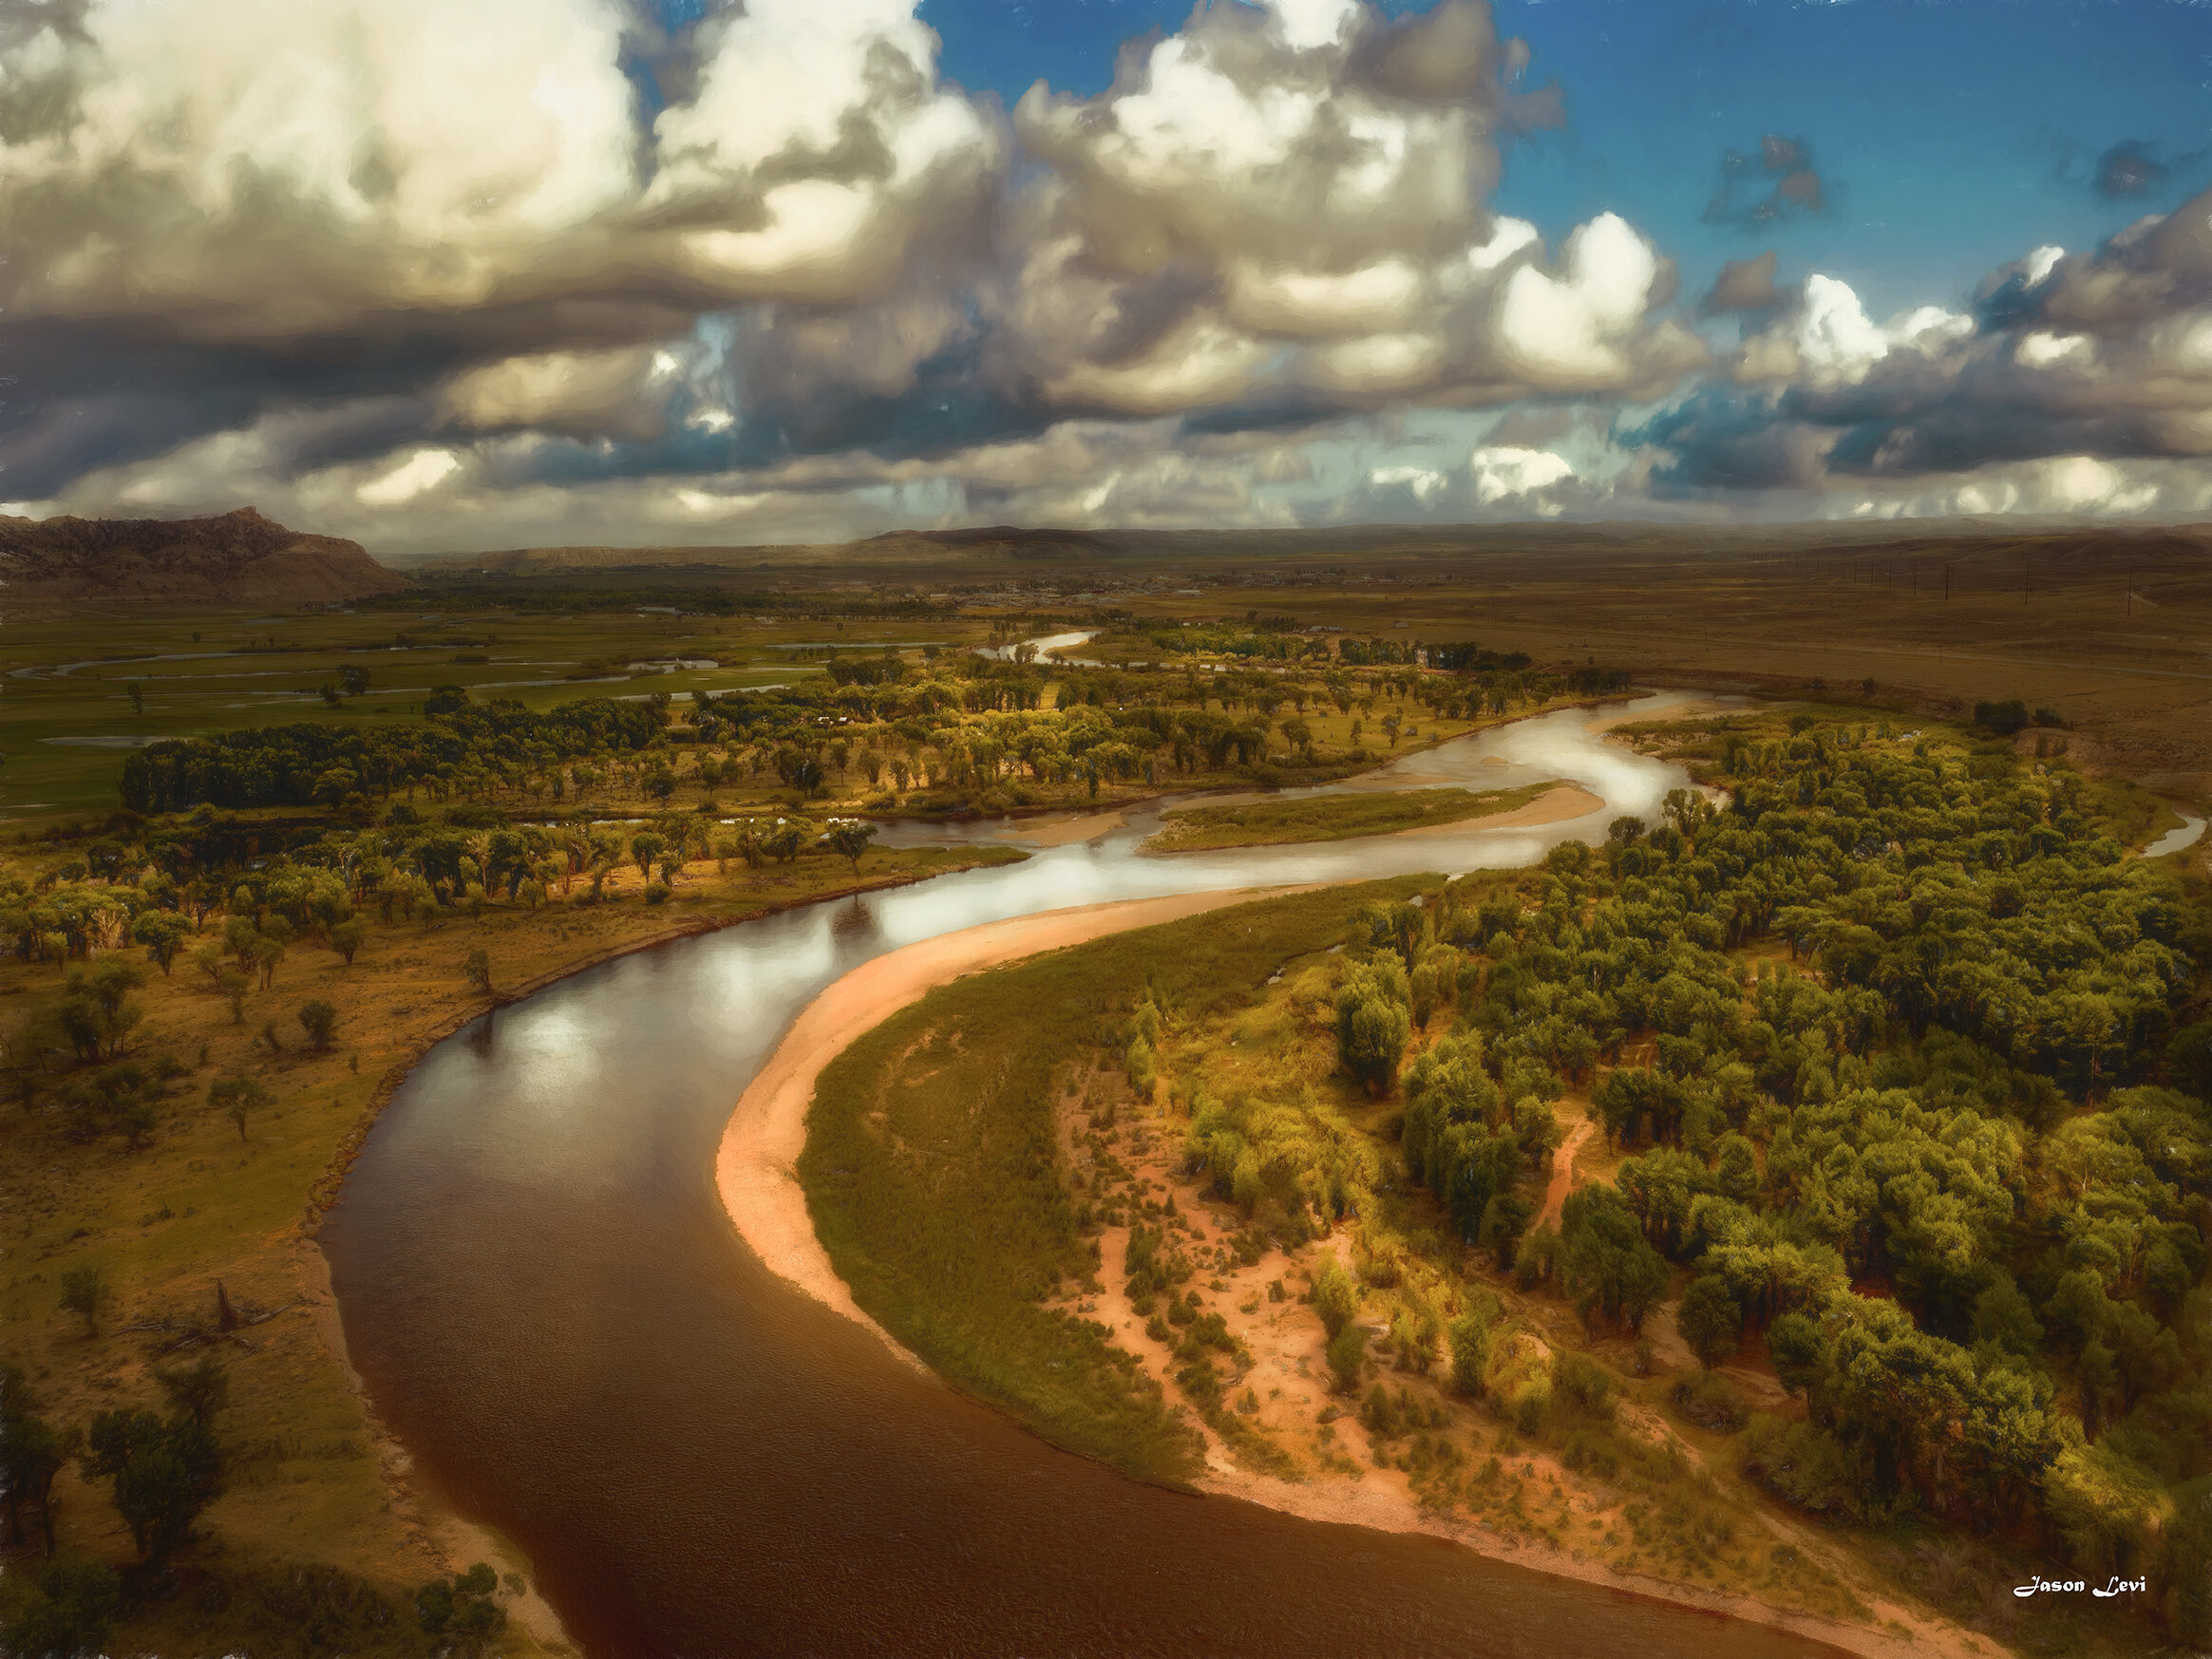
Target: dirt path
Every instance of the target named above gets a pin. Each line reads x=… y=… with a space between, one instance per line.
x=1563 y=1183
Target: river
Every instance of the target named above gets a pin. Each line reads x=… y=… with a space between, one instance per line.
x=551 y=1310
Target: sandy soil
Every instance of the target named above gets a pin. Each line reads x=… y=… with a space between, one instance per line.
x=1553 y=806
x=1692 y=710
x=1061 y=832
x=754 y=1175
x=766 y=1132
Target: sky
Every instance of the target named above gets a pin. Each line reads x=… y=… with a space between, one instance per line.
x=449 y=275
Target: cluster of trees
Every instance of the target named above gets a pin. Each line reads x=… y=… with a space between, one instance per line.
x=951 y=722
x=161 y=1469
x=1910 y=1059
x=1912 y=1065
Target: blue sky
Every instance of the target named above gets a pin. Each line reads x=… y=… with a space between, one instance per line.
x=649 y=271
x=1958 y=133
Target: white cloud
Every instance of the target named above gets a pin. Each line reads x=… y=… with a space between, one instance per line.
x=424 y=470
x=1505 y=472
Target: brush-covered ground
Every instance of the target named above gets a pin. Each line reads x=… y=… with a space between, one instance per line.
x=1331 y=817
x=1804 y=1200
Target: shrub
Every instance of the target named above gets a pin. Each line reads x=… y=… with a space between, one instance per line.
x=656 y=892
x=1347 y=1356
x=1709 y=1401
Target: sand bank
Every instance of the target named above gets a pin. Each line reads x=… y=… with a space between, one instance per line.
x=754 y=1170
x=1061 y=832
x=754 y=1173
x=1553 y=806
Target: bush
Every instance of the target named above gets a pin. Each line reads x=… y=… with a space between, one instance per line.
x=1347 y=1356
x=1470 y=1353
x=1336 y=1297
x=1582 y=1380
x=1708 y=1401
x=656 y=892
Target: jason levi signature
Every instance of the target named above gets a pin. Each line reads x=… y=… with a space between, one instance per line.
x=2075 y=1586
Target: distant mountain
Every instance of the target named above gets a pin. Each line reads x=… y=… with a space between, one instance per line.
x=1999 y=539
x=240 y=558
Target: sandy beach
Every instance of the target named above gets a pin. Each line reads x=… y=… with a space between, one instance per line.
x=754 y=1169
x=1553 y=806
x=754 y=1173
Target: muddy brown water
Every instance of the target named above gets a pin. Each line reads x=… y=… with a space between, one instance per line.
x=553 y=1313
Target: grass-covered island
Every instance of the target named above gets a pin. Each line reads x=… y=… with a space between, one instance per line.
x=1337 y=818
x=1802 y=1201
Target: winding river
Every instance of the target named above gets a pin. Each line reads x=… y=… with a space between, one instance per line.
x=550 y=1307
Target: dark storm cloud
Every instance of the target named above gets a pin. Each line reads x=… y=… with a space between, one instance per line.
x=1726 y=441
x=1774 y=185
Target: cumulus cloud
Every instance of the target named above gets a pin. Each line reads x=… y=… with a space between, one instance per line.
x=2072 y=377
x=1291 y=199
x=243 y=167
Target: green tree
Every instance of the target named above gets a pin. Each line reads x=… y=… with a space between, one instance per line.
x=1347 y=1357
x=163 y=933
x=1335 y=1296
x=1470 y=1353
x=1710 y=1320
x=61 y=1609
x=849 y=838
x=237 y=1097
x=85 y=1292
x=319 y=1018
x=196 y=1391
x=346 y=938
x=479 y=970
x=161 y=1474
x=32 y=1453
x=1374 y=1022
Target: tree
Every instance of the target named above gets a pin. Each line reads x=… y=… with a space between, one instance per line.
x=1347 y=1356
x=234 y=987
x=346 y=938
x=1470 y=1353
x=163 y=933
x=196 y=1391
x=1710 y=1320
x=1336 y=1297
x=462 y=1608
x=849 y=838
x=61 y=1609
x=235 y=1097
x=479 y=970
x=320 y=1019
x=1374 y=1023
x=31 y=1454
x=161 y=1474
x=85 y=1292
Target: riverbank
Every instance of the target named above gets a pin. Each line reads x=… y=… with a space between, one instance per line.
x=767 y=1135
x=315 y=1479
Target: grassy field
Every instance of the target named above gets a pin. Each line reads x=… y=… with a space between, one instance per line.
x=206 y=1201
x=930 y=1167
x=1329 y=818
